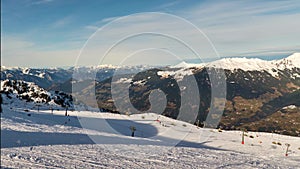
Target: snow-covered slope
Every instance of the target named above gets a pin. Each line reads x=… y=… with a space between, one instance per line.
x=252 y=64
x=15 y=90
x=289 y=62
x=52 y=140
x=247 y=64
x=184 y=64
x=244 y=64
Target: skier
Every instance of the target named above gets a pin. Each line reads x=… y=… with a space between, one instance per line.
x=132 y=128
x=66 y=114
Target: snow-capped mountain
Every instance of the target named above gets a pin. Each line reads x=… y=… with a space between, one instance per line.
x=258 y=92
x=248 y=64
x=288 y=63
x=42 y=77
x=49 y=78
x=252 y=64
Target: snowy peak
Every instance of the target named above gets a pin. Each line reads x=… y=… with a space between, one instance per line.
x=294 y=58
x=183 y=64
x=289 y=62
x=241 y=63
x=252 y=64
x=247 y=64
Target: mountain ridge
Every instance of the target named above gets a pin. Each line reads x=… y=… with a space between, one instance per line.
x=293 y=60
x=257 y=93
x=244 y=63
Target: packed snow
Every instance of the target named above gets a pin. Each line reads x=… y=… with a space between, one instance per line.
x=46 y=139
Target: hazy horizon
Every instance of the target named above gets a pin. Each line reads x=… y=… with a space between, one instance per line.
x=192 y=61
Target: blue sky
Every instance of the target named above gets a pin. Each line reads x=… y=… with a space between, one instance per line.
x=50 y=33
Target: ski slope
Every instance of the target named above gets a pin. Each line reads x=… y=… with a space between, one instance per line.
x=52 y=140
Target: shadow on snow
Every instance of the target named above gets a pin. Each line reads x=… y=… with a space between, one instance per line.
x=12 y=138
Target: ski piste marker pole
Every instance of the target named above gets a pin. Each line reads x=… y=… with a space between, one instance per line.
x=243 y=139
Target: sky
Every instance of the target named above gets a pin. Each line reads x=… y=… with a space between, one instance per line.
x=57 y=33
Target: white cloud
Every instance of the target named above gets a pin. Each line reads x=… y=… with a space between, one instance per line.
x=38 y=2
x=169 y=4
x=91 y=27
x=105 y=20
x=98 y=24
x=62 y=22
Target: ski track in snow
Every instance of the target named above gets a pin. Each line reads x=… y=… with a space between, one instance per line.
x=71 y=148
x=95 y=156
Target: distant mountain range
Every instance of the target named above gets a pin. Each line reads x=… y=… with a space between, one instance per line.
x=51 y=77
x=261 y=95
